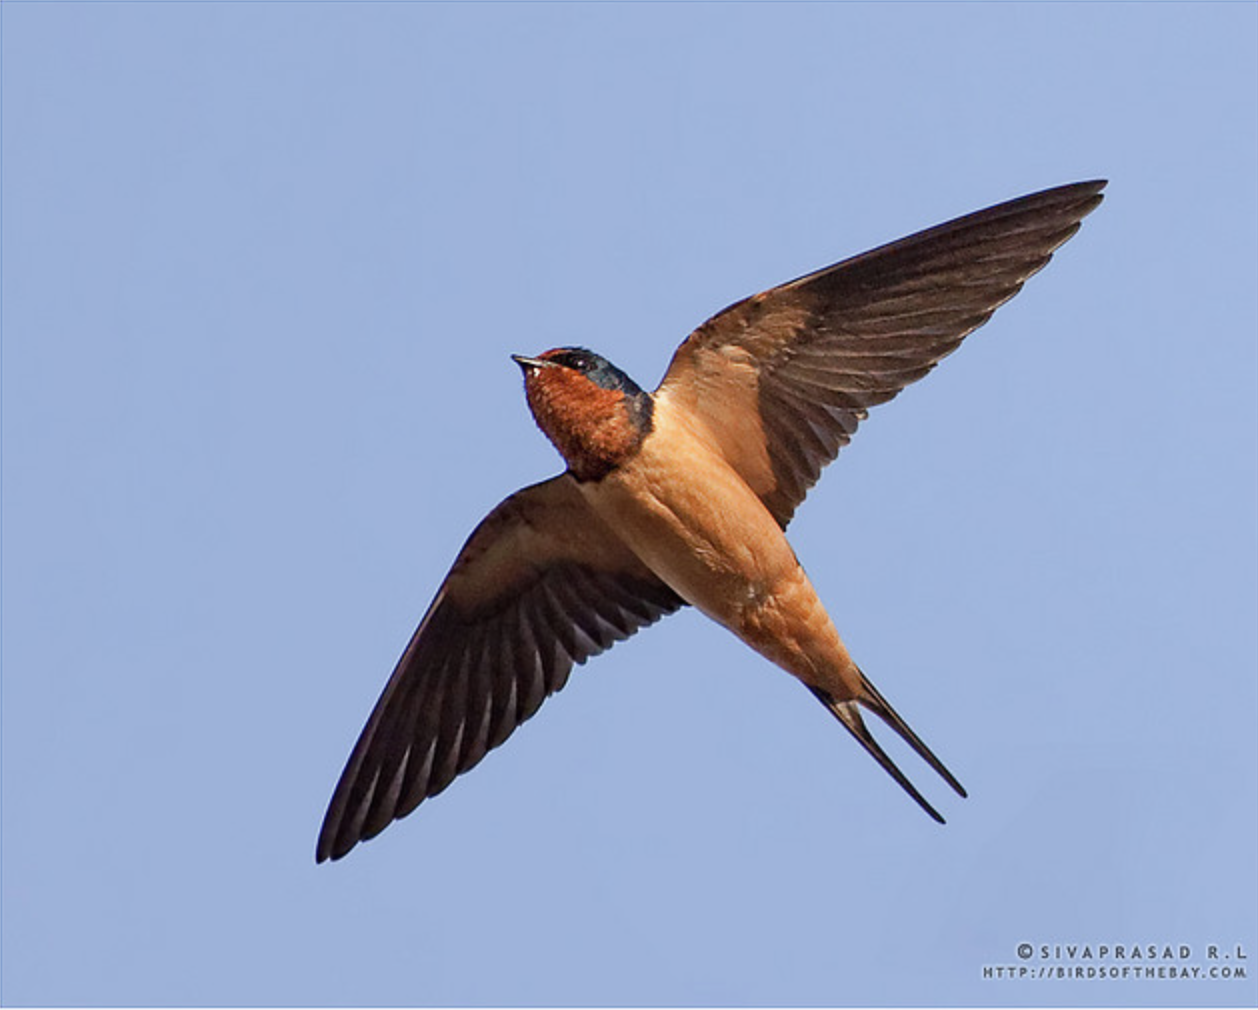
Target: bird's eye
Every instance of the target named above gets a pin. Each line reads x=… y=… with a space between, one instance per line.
x=576 y=360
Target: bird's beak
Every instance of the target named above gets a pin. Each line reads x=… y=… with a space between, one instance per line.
x=526 y=363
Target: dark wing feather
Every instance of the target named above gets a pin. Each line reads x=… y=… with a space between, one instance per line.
x=540 y=585
x=782 y=379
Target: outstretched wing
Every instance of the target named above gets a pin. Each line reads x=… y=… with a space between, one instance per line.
x=782 y=379
x=541 y=584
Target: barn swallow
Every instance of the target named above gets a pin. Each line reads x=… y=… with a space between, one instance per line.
x=682 y=496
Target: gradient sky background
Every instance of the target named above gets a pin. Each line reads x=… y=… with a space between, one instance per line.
x=263 y=266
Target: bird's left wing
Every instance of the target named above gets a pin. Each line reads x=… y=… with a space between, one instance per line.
x=780 y=380
x=541 y=584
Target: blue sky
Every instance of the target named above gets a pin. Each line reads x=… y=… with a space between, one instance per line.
x=263 y=266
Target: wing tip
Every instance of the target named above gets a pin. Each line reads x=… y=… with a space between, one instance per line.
x=331 y=845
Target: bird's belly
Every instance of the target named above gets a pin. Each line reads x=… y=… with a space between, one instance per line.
x=694 y=522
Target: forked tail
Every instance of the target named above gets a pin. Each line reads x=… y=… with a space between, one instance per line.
x=848 y=713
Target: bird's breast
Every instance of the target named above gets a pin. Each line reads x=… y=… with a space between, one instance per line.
x=694 y=521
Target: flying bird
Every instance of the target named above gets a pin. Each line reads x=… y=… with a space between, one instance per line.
x=682 y=496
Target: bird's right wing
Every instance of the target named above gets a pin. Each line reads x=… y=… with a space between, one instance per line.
x=541 y=584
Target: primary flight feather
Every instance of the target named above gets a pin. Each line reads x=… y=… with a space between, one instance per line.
x=682 y=496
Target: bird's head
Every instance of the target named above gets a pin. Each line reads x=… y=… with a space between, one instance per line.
x=593 y=412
